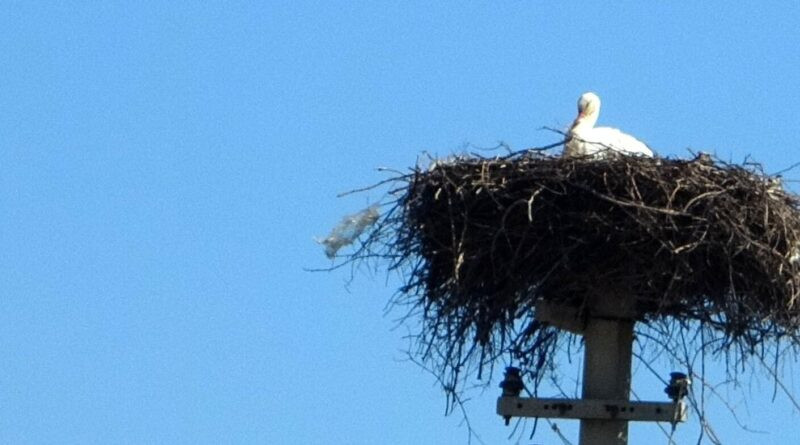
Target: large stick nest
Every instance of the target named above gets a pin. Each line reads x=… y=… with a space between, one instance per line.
x=486 y=239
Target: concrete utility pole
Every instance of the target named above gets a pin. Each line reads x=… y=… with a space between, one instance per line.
x=608 y=346
x=604 y=409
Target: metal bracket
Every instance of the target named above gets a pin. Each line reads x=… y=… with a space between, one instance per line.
x=592 y=409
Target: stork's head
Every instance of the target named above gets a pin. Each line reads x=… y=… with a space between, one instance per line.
x=588 y=104
x=588 y=111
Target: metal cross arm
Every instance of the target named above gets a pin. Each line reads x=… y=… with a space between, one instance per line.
x=592 y=409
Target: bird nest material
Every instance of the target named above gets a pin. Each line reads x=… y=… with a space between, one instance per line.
x=484 y=240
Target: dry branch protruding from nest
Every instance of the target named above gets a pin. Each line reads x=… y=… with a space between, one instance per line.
x=485 y=239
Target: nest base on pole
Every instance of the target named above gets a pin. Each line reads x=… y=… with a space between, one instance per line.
x=705 y=247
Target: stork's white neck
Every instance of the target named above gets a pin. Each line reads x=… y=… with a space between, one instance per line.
x=584 y=121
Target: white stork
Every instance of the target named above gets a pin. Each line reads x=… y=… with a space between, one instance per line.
x=585 y=139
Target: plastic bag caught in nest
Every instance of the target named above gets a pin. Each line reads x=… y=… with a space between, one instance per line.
x=348 y=230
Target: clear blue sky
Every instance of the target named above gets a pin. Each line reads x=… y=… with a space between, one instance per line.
x=164 y=167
